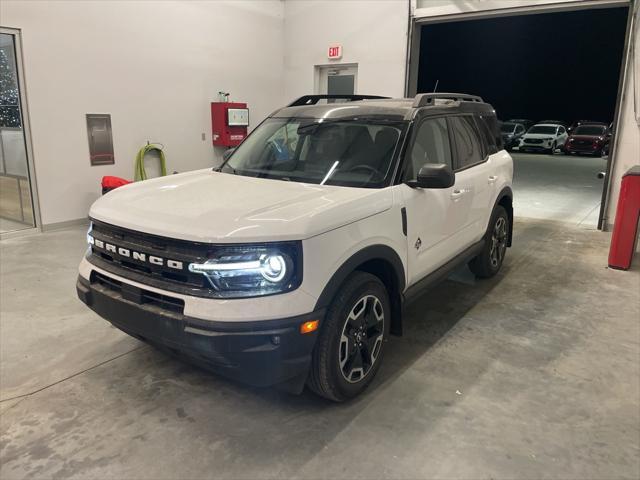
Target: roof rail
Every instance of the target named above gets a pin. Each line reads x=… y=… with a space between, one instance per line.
x=424 y=99
x=313 y=99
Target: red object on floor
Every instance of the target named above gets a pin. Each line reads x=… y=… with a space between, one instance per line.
x=625 y=229
x=109 y=183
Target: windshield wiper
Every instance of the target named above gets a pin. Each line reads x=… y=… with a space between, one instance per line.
x=219 y=169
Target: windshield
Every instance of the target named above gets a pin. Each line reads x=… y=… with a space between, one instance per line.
x=542 y=129
x=351 y=153
x=589 y=130
x=507 y=127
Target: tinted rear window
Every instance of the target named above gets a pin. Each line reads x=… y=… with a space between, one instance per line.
x=468 y=147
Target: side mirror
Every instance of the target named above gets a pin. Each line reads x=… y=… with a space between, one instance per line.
x=227 y=153
x=434 y=175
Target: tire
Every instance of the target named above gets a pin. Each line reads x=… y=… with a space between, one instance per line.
x=553 y=148
x=489 y=261
x=340 y=369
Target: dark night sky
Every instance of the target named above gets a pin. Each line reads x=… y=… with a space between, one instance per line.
x=555 y=65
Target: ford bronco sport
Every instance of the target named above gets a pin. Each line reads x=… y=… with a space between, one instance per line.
x=291 y=263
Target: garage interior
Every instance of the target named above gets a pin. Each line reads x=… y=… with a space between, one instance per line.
x=534 y=373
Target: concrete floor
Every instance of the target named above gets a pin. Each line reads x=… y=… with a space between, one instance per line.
x=533 y=374
x=558 y=187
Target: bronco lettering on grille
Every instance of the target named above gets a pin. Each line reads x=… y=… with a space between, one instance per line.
x=139 y=256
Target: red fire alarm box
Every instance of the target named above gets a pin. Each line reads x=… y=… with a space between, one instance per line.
x=229 y=122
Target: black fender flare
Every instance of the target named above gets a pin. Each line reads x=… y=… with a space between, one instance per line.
x=506 y=192
x=372 y=252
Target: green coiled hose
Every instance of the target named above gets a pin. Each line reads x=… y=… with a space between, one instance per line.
x=140 y=172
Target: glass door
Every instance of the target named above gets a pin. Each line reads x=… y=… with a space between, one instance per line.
x=16 y=198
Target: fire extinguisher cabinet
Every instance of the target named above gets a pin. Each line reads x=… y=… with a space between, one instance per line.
x=625 y=229
x=229 y=122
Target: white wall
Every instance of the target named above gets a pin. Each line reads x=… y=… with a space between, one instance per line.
x=373 y=34
x=154 y=66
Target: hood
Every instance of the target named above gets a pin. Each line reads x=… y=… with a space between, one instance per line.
x=208 y=206
x=539 y=135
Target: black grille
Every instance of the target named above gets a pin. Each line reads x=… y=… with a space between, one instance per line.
x=160 y=276
x=138 y=295
x=533 y=140
x=174 y=253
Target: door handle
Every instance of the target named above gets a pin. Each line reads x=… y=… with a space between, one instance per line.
x=492 y=179
x=457 y=194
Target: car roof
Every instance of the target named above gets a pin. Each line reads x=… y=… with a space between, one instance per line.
x=397 y=108
x=382 y=108
x=548 y=125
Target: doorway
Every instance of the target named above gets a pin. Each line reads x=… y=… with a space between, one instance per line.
x=336 y=80
x=17 y=210
x=559 y=66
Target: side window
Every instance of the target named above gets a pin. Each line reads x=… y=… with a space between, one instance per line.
x=468 y=148
x=561 y=130
x=487 y=136
x=431 y=145
x=519 y=129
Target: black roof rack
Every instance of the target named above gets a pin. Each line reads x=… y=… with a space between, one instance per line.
x=313 y=99
x=424 y=99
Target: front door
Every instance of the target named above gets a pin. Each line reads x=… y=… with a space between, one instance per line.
x=436 y=217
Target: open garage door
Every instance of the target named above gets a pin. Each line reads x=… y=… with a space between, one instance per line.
x=554 y=78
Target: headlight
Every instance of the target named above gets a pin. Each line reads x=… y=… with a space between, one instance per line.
x=249 y=271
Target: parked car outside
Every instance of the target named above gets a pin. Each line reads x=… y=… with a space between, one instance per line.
x=555 y=122
x=577 y=123
x=589 y=139
x=511 y=134
x=543 y=137
x=522 y=121
x=291 y=263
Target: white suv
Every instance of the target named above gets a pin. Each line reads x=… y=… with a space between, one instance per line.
x=546 y=137
x=292 y=262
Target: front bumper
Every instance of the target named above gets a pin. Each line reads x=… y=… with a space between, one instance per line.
x=588 y=148
x=510 y=142
x=535 y=146
x=259 y=353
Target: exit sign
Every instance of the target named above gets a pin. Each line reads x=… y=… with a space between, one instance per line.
x=334 y=52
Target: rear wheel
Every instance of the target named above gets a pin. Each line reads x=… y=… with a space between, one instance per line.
x=488 y=263
x=350 y=346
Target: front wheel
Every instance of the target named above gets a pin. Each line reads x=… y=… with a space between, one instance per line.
x=349 y=349
x=489 y=261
